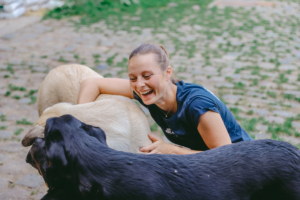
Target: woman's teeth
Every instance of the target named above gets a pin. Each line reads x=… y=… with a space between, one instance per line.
x=145 y=93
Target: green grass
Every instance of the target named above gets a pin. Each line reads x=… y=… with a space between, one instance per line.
x=13 y=88
x=91 y=11
x=154 y=127
x=3 y=127
x=3 y=118
x=271 y=94
x=18 y=131
x=24 y=122
x=249 y=124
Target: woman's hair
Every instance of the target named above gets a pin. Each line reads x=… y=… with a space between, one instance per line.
x=160 y=52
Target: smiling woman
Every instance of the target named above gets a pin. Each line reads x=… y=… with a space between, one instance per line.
x=189 y=114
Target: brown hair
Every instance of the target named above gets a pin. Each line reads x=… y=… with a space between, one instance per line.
x=162 y=56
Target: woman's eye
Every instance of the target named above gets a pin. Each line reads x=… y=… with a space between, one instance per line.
x=132 y=79
x=147 y=76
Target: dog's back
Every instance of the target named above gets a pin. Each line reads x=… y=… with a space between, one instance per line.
x=62 y=84
x=259 y=169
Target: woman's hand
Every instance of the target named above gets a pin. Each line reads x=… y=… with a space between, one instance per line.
x=158 y=146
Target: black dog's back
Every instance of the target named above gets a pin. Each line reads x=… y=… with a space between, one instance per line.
x=261 y=169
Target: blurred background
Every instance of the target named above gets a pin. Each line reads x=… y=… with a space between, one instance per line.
x=246 y=52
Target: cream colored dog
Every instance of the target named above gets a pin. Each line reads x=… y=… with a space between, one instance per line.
x=124 y=123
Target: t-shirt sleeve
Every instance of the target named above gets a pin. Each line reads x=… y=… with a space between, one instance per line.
x=136 y=97
x=198 y=107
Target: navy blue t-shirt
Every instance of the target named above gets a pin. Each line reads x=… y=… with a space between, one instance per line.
x=193 y=101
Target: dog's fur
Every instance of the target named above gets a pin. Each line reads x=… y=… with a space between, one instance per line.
x=62 y=84
x=78 y=157
x=123 y=121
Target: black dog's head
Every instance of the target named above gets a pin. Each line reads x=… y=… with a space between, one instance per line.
x=65 y=138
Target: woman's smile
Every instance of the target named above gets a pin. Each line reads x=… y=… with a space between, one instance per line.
x=146 y=78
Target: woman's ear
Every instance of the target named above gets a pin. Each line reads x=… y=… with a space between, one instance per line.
x=169 y=73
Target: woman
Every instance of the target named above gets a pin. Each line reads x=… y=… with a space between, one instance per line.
x=188 y=114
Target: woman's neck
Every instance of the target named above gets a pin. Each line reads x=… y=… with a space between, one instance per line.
x=168 y=103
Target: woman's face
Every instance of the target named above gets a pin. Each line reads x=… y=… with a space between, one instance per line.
x=147 y=79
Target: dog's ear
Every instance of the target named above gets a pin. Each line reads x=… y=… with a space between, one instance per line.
x=95 y=132
x=56 y=155
x=55 y=147
x=36 y=131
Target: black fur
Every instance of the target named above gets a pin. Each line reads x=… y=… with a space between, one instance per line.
x=89 y=169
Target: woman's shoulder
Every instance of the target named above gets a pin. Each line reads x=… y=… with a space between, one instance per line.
x=188 y=92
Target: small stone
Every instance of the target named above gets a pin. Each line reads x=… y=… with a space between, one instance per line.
x=196 y=7
x=39 y=69
x=287 y=67
x=172 y=4
x=289 y=87
x=231 y=98
x=278 y=120
x=108 y=43
x=69 y=48
x=4 y=48
x=296 y=124
x=261 y=127
x=30 y=180
x=12 y=147
x=15 y=193
x=260 y=136
x=25 y=101
x=283 y=113
x=225 y=85
x=102 y=66
x=3 y=182
x=135 y=18
x=5 y=134
x=3 y=158
x=145 y=110
x=260 y=111
x=266 y=65
x=8 y=36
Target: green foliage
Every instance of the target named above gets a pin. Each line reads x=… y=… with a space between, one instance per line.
x=33 y=100
x=154 y=127
x=285 y=128
x=7 y=93
x=16 y=97
x=30 y=93
x=249 y=124
x=3 y=118
x=91 y=11
x=239 y=85
x=110 y=60
x=250 y=112
x=9 y=68
x=13 y=88
x=271 y=94
x=18 y=131
x=24 y=122
x=3 y=127
x=62 y=59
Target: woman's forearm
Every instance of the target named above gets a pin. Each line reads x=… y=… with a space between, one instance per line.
x=88 y=92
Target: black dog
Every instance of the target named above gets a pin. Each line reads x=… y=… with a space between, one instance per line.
x=81 y=166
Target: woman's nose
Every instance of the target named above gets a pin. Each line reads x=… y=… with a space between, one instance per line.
x=140 y=83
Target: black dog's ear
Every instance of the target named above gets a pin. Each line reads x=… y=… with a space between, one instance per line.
x=56 y=155
x=55 y=146
x=95 y=132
